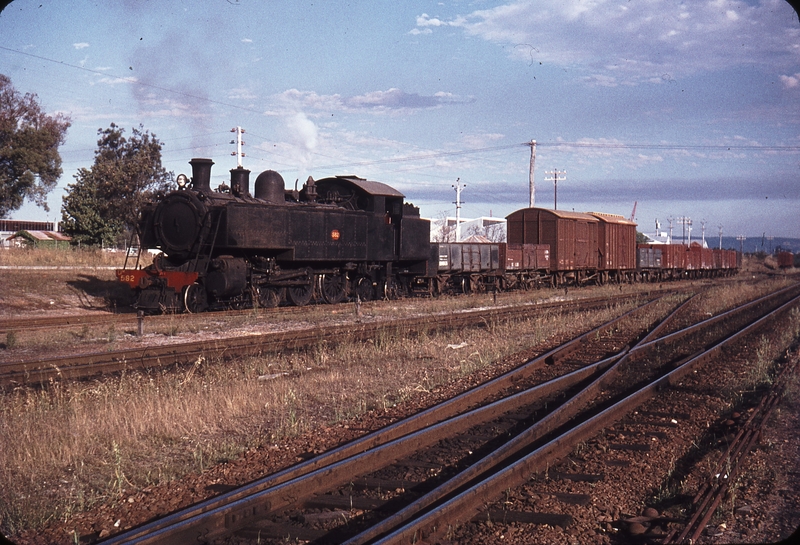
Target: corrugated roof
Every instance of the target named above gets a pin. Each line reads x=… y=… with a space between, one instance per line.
x=611 y=218
x=559 y=214
x=369 y=186
x=42 y=236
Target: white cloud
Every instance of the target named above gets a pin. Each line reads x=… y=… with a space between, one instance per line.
x=80 y=45
x=790 y=82
x=640 y=40
x=247 y=41
x=241 y=94
x=391 y=100
x=116 y=81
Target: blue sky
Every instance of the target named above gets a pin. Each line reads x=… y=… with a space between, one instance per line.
x=686 y=108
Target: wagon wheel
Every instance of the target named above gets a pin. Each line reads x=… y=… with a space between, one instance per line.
x=300 y=295
x=364 y=288
x=391 y=290
x=270 y=297
x=466 y=287
x=333 y=288
x=195 y=298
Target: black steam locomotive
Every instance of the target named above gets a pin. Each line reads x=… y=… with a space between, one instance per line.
x=226 y=248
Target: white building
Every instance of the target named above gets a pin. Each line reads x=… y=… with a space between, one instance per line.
x=483 y=229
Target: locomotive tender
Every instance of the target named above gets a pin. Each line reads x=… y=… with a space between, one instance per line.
x=345 y=236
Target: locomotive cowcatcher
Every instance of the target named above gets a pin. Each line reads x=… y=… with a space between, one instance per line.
x=225 y=248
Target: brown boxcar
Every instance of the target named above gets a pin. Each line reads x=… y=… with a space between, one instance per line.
x=785 y=260
x=527 y=257
x=572 y=237
x=700 y=259
x=616 y=242
x=674 y=256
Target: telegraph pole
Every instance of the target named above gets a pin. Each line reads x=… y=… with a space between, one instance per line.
x=459 y=188
x=685 y=221
x=741 y=239
x=531 y=185
x=239 y=143
x=554 y=175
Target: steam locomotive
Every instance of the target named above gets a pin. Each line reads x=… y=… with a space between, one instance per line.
x=344 y=236
x=227 y=248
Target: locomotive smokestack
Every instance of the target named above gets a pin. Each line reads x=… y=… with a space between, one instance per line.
x=240 y=182
x=201 y=174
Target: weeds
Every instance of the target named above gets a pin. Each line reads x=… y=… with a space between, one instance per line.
x=11 y=339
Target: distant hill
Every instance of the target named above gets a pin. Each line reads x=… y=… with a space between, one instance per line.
x=757 y=244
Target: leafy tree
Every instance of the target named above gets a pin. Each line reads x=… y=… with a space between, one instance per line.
x=105 y=200
x=29 y=161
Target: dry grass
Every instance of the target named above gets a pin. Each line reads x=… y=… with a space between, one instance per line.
x=70 y=445
x=66 y=256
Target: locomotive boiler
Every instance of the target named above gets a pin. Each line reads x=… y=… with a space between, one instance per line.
x=226 y=248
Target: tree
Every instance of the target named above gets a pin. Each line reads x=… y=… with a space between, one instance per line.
x=29 y=161
x=105 y=200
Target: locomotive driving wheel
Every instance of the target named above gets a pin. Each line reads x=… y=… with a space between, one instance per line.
x=300 y=295
x=363 y=288
x=333 y=288
x=195 y=298
x=270 y=297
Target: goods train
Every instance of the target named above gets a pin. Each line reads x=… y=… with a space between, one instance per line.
x=346 y=237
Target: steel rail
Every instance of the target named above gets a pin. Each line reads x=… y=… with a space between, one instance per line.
x=548 y=424
x=712 y=492
x=75 y=320
x=191 y=522
x=468 y=504
x=74 y=367
x=232 y=513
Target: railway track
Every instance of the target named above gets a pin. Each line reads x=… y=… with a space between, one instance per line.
x=71 y=367
x=19 y=325
x=476 y=446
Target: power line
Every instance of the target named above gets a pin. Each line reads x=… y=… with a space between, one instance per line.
x=133 y=81
x=611 y=145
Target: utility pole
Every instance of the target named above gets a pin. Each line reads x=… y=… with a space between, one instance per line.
x=239 y=143
x=685 y=221
x=531 y=185
x=741 y=239
x=459 y=188
x=720 y=237
x=554 y=175
x=703 y=223
x=670 y=220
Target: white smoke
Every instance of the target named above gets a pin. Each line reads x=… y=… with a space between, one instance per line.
x=303 y=130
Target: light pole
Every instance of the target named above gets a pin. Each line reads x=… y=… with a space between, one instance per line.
x=459 y=188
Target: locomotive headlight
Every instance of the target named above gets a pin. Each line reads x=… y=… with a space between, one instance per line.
x=182 y=180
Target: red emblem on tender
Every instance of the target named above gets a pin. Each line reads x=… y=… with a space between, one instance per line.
x=335 y=234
